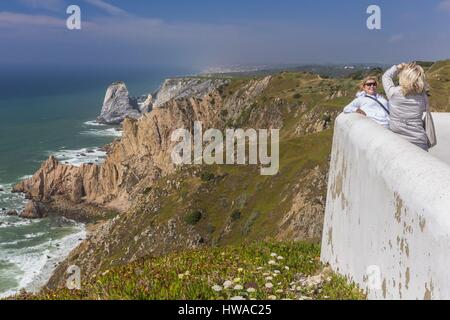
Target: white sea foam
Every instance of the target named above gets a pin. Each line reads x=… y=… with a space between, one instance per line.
x=110 y=132
x=80 y=156
x=10 y=200
x=37 y=263
x=21 y=222
x=28 y=176
x=34 y=235
x=38 y=278
x=94 y=123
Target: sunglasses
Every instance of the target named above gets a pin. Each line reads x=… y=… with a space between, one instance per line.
x=371 y=84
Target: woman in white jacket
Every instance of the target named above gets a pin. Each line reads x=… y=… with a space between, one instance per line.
x=408 y=102
x=369 y=103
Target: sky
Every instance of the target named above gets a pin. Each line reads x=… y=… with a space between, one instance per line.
x=207 y=33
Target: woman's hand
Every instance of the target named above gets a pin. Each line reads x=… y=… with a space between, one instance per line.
x=401 y=66
x=360 y=112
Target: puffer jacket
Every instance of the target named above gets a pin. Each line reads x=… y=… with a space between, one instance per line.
x=406 y=111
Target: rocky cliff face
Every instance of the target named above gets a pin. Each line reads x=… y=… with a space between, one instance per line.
x=141 y=156
x=185 y=88
x=118 y=105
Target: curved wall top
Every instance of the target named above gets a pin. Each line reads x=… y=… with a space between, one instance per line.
x=387 y=217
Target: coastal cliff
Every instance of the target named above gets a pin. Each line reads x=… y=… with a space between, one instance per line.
x=142 y=155
x=150 y=206
x=139 y=205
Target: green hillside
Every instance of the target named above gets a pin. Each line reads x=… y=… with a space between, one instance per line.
x=439 y=78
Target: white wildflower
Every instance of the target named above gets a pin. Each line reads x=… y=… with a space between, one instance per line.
x=251 y=290
x=269 y=285
x=272 y=297
x=237 y=298
x=238 y=287
x=227 y=284
x=216 y=288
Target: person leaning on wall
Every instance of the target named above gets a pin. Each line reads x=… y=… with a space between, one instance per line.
x=369 y=103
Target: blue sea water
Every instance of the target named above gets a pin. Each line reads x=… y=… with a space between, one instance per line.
x=50 y=112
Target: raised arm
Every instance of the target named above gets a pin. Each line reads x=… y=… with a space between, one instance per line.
x=388 y=79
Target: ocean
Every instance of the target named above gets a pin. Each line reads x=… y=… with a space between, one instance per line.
x=42 y=113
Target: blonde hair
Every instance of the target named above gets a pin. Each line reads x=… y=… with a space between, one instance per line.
x=365 y=80
x=413 y=80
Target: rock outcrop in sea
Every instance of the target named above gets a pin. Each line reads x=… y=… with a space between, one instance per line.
x=32 y=210
x=118 y=105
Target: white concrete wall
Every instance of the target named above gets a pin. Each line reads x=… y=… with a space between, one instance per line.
x=442 y=124
x=387 y=219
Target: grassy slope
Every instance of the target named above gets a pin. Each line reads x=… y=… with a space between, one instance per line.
x=439 y=78
x=193 y=274
x=260 y=200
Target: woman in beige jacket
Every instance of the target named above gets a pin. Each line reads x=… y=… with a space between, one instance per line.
x=407 y=102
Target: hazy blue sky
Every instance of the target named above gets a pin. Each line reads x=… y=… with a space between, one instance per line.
x=205 y=33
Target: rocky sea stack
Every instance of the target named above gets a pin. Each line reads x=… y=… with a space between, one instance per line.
x=118 y=105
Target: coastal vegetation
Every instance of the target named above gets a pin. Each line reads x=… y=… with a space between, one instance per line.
x=258 y=270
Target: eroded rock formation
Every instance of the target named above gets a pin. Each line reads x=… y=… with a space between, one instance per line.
x=118 y=105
